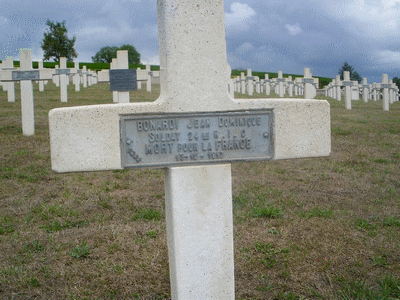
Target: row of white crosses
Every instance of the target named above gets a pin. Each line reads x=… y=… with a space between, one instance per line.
x=59 y=76
x=306 y=85
x=62 y=76
x=26 y=75
x=193 y=130
x=352 y=89
x=8 y=86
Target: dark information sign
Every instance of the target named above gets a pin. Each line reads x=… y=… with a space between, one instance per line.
x=203 y=138
x=123 y=80
x=347 y=83
x=25 y=75
x=308 y=80
x=62 y=71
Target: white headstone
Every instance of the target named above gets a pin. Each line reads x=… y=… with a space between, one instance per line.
x=198 y=198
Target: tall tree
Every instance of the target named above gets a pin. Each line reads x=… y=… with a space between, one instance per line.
x=396 y=80
x=353 y=73
x=106 y=54
x=56 y=43
x=133 y=55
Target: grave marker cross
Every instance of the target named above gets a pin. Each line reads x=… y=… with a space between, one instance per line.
x=25 y=75
x=193 y=93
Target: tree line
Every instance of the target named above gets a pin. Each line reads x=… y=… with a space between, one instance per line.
x=56 y=44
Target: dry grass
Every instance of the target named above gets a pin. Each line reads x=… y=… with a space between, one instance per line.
x=323 y=228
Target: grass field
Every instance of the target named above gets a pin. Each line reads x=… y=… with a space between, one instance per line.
x=320 y=228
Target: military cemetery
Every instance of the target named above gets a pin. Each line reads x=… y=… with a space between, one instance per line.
x=208 y=183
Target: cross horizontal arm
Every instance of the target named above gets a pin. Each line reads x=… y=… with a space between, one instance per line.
x=87 y=138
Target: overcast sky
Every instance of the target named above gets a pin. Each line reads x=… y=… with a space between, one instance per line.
x=265 y=35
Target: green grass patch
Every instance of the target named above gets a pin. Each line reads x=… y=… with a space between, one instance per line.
x=147 y=214
x=239 y=201
x=364 y=224
x=6 y=225
x=10 y=129
x=57 y=225
x=379 y=260
x=33 y=282
x=340 y=131
x=387 y=289
x=81 y=251
x=381 y=160
x=391 y=221
x=266 y=211
x=34 y=247
x=317 y=212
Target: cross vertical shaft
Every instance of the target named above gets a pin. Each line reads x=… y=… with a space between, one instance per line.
x=198 y=199
x=192 y=40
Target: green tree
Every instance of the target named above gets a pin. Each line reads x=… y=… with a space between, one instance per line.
x=56 y=43
x=133 y=55
x=353 y=73
x=396 y=80
x=106 y=54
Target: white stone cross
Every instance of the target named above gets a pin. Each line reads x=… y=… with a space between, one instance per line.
x=114 y=65
x=267 y=85
x=84 y=77
x=385 y=95
x=149 y=78
x=41 y=82
x=347 y=88
x=249 y=79
x=243 y=82
x=365 y=87
x=8 y=64
x=338 y=88
x=77 y=77
x=25 y=75
x=62 y=71
x=198 y=197
x=375 y=91
x=280 y=80
x=290 y=84
x=309 y=84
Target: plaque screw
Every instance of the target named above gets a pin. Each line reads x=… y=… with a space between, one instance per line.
x=128 y=142
x=266 y=134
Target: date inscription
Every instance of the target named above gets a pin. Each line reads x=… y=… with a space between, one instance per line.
x=183 y=139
